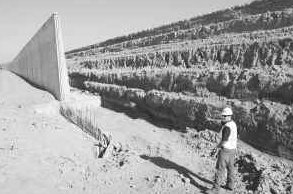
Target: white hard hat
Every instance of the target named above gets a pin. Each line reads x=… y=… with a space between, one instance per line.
x=227 y=112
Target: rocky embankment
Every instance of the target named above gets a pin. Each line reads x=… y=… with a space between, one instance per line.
x=264 y=124
x=254 y=77
x=253 y=65
x=273 y=83
x=245 y=50
x=240 y=57
x=256 y=171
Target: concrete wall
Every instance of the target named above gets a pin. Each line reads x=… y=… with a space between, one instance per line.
x=42 y=60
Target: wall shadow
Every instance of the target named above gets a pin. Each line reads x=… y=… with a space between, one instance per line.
x=259 y=142
x=135 y=112
x=167 y=164
x=33 y=84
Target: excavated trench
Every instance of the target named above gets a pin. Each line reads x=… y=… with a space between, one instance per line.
x=260 y=93
x=187 y=86
x=255 y=78
x=263 y=123
x=259 y=135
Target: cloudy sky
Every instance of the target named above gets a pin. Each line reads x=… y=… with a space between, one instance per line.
x=87 y=22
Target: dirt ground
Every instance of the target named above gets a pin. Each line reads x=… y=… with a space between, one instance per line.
x=41 y=152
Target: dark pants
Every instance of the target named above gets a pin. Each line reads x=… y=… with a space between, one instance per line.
x=225 y=163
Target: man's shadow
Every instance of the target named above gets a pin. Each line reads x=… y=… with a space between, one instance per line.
x=165 y=163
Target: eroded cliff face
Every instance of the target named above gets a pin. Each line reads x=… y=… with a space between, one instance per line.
x=273 y=83
x=188 y=82
x=243 y=53
x=264 y=124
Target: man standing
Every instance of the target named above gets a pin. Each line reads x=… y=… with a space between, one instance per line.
x=227 y=151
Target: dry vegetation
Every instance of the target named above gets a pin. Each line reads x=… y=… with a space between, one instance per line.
x=85 y=117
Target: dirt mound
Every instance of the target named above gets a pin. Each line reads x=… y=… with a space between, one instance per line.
x=256 y=172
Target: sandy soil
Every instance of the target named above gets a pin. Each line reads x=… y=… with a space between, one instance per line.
x=41 y=152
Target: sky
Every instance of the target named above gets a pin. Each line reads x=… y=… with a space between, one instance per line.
x=86 y=22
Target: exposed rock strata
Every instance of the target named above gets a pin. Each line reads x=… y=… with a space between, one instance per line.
x=269 y=123
x=273 y=83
